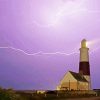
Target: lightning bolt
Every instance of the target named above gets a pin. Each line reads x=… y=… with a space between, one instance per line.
x=38 y=53
x=59 y=15
x=66 y=10
x=45 y=53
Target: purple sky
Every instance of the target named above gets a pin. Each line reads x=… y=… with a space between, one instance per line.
x=39 y=40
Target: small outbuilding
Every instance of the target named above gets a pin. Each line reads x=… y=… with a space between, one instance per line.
x=73 y=81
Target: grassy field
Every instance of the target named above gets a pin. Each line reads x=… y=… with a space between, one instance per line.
x=10 y=94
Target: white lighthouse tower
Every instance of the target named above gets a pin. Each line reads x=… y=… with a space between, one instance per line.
x=84 y=66
x=81 y=80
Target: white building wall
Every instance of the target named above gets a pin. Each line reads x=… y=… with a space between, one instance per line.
x=68 y=77
x=82 y=85
x=67 y=80
x=87 y=77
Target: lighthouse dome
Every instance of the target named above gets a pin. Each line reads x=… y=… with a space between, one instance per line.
x=83 y=43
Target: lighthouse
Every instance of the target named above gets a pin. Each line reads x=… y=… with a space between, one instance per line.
x=84 y=66
x=78 y=80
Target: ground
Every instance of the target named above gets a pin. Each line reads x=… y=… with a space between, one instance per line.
x=91 y=98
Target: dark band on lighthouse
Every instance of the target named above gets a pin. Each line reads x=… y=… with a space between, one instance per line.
x=84 y=66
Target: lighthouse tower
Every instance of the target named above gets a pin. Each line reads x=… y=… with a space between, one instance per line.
x=84 y=66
